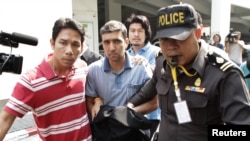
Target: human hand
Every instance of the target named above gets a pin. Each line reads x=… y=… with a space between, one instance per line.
x=96 y=107
x=235 y=40
x=130 y=105
x=138 y=60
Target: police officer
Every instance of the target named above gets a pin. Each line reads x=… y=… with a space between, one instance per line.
x=196 y=87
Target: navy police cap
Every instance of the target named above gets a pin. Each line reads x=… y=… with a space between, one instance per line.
x=176 y=21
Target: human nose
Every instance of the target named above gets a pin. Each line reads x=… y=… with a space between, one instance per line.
x=69 y=49
x=111 y=46
x=136 y=33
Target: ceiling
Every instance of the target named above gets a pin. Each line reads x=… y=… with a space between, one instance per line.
x=239 y=15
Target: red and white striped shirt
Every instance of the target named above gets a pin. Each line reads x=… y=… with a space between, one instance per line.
x=58 y=103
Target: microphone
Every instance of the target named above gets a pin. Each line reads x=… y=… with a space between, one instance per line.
x=20 y=38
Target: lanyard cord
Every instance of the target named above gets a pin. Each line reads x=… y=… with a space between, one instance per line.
x=174 y=76
x=176 y=88
x=186 y=72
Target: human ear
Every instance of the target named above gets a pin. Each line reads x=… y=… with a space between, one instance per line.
x=52 y=44
x=198 y=33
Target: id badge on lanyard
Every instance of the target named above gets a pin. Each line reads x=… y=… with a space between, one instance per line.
x=180 y=106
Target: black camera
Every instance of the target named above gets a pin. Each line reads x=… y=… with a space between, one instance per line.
x=232 y=37
x=11 y=62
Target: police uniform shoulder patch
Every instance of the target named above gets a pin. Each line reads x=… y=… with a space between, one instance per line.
x=158 y=54
x=217 y=60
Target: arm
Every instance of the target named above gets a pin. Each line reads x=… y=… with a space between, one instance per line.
x=6 y=120
x=145 y=100
x=93 y=105
x=234 y=101
x=227 y=47
x=147 y=107
x=241 y=43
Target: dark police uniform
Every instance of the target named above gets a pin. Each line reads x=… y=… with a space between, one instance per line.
x=217 y=94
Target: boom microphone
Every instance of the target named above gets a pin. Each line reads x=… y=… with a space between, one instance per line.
x=20 y=38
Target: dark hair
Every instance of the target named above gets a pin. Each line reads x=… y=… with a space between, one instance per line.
x=143 y=20
x=67 y=23
x=113 y=26
x=218 y=36
x=199 y=18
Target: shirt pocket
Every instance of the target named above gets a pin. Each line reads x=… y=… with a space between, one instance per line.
x=197 y=104
x=162 y=87
x=132 y=89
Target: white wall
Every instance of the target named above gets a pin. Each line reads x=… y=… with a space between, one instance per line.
x=86 y=12
x=34 y=18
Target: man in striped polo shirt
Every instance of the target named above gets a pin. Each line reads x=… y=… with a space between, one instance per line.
x=54 y=90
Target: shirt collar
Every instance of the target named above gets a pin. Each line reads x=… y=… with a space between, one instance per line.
x=200 y=62
x=144 y=49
